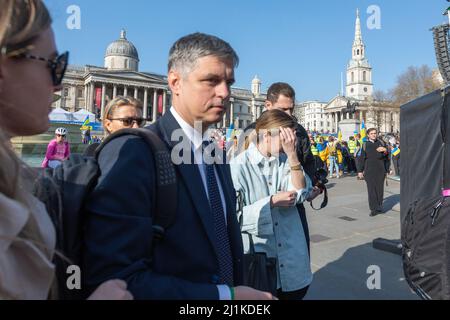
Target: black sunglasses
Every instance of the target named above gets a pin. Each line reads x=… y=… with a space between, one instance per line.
x=57 y=66
x=61 y=135
x=128 y=122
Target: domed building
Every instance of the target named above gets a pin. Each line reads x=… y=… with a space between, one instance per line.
x=122 y=55
x=90 y=87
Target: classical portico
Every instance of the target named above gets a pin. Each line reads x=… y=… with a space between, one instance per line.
x=91 y=87
x=153 y=92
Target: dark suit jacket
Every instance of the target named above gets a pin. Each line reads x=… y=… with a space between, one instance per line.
x=118 y=238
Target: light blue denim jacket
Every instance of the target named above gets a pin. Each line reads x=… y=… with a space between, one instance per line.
x=276 y=231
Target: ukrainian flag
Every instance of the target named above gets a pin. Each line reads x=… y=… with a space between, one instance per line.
x=323 y=151
x=362 y=132
x=86 y=124
x=395 y=151
x=340 y=135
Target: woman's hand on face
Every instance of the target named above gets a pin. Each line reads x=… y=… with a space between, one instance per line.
x=288 y=140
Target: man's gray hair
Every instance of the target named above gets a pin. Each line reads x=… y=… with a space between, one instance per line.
x=187 y=50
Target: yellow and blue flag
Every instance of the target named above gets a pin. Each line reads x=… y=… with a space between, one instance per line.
x=362 y=132
x=395 y=151
x=86 y=124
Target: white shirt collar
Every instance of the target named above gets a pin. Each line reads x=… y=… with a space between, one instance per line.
x=195 y=136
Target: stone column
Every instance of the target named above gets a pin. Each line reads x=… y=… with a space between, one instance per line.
x=155 y=107
x=115 y=91
x=91 y=99
x=336 y=122
x=103 y=100
x=136 y=92
x=329 y=121
x=145 y=111
x=86 y=96
x=125 y=91
x=164 y=101
x=231 y=112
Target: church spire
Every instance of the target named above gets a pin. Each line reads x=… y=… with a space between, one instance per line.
x=358 y=35
x=359 y=71
x=358 y=44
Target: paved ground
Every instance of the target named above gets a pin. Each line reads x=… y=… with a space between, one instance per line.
x=341 y=250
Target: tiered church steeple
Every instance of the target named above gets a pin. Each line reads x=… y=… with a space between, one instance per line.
x=359 y=71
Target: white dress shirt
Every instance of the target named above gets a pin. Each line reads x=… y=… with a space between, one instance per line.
x=197 y=139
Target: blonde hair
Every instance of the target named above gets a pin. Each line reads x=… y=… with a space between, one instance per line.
x=21 y=23
x=272 y=120
x=116 y=103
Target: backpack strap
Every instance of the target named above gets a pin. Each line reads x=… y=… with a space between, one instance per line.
x=166 y=181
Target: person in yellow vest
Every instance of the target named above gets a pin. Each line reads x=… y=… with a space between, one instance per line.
x=315 y=152
x=352 y=145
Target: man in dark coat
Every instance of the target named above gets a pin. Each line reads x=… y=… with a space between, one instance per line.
x=372 y=165
x=201 y=254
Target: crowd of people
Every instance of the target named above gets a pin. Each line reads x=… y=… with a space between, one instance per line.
x=272 y=167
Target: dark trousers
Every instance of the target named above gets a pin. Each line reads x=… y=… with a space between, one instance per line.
x=396 y=162
x=351 y=164
x=375 y=190
x=293 y=295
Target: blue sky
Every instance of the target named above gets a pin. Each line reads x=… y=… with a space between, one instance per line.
x=304 y=42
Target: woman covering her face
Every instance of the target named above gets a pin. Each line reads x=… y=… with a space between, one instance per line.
x=272 y=182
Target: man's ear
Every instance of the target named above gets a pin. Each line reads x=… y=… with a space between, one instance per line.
x=268 y=105
x=174 y=79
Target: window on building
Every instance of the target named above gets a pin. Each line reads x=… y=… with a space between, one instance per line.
x=80 y=92
x=365 y=89
x=357 y=52
x=352 y=90
x=364 y=76
x=126 y=64
x=66 y=92
x=353 y=77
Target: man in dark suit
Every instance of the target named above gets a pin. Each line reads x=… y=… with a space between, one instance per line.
x=201 y=254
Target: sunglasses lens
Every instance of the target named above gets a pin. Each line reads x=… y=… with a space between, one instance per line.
x=127 y=122
x=60 y=68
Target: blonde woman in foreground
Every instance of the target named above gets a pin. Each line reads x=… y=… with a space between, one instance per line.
x=30 y=72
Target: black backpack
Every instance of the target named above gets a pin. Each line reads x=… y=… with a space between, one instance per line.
x=426 y=247
x=65 y=189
